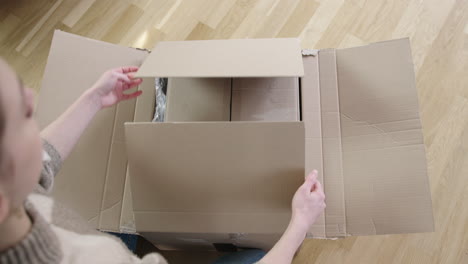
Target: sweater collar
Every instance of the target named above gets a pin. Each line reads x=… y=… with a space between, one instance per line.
x=40 y=245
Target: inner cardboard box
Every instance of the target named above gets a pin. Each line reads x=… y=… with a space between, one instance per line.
x=233 y=99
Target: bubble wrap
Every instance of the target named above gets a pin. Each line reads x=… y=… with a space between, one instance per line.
x=161 y=88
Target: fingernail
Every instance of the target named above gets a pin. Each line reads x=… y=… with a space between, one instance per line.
x=314 y=171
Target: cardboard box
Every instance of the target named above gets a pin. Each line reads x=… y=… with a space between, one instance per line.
x=265 y=99
x=190 y=183
x=198 y=99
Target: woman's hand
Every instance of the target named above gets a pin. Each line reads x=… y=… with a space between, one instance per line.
x=109 y=89
x=64 y=132
x=308 y=203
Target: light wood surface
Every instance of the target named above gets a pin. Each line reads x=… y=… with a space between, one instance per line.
x=439 y=37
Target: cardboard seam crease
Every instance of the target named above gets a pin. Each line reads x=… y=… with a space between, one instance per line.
x=110 y=207
x=89 y=220
x=335 y=215
x=109 y=154
x=315 y=54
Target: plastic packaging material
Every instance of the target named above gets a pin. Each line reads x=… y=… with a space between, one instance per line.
x=161 y=89
x=310 y=52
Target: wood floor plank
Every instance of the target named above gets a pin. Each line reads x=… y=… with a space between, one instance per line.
x=77 y=12
x=37 y=26
x=298 y=19
x=319 y=22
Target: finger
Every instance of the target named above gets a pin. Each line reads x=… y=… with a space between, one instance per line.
x=312 y=174
x=124 y=78
x=127 y=69
x=132 y=77
x=318 y=188
x=314 y=187
x=132 y=85
x=310 y=180
x=132 y=95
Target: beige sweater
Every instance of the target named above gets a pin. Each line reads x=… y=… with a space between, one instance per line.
x=59 y=235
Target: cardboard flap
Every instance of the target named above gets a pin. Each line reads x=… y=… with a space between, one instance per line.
x=335 y=219
x=91 y=180
x=312 y=118
x=224 y=58
x=194 y=177
x=384 y=164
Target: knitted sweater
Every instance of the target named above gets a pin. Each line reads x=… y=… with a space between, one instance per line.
x=58 y=235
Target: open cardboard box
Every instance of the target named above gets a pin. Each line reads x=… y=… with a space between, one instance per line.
x=196 y=183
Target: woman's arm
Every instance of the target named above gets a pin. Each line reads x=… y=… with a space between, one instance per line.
x=308 y=203
x=64 y=132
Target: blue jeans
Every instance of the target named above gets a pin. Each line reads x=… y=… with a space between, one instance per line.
x=242 y=257
x=129 y=240
x=249 y=256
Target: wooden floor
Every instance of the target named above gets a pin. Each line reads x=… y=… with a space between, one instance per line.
x=439 y=37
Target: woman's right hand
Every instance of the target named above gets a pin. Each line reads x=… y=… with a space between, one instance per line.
x=308 y=203
x=109 y=89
